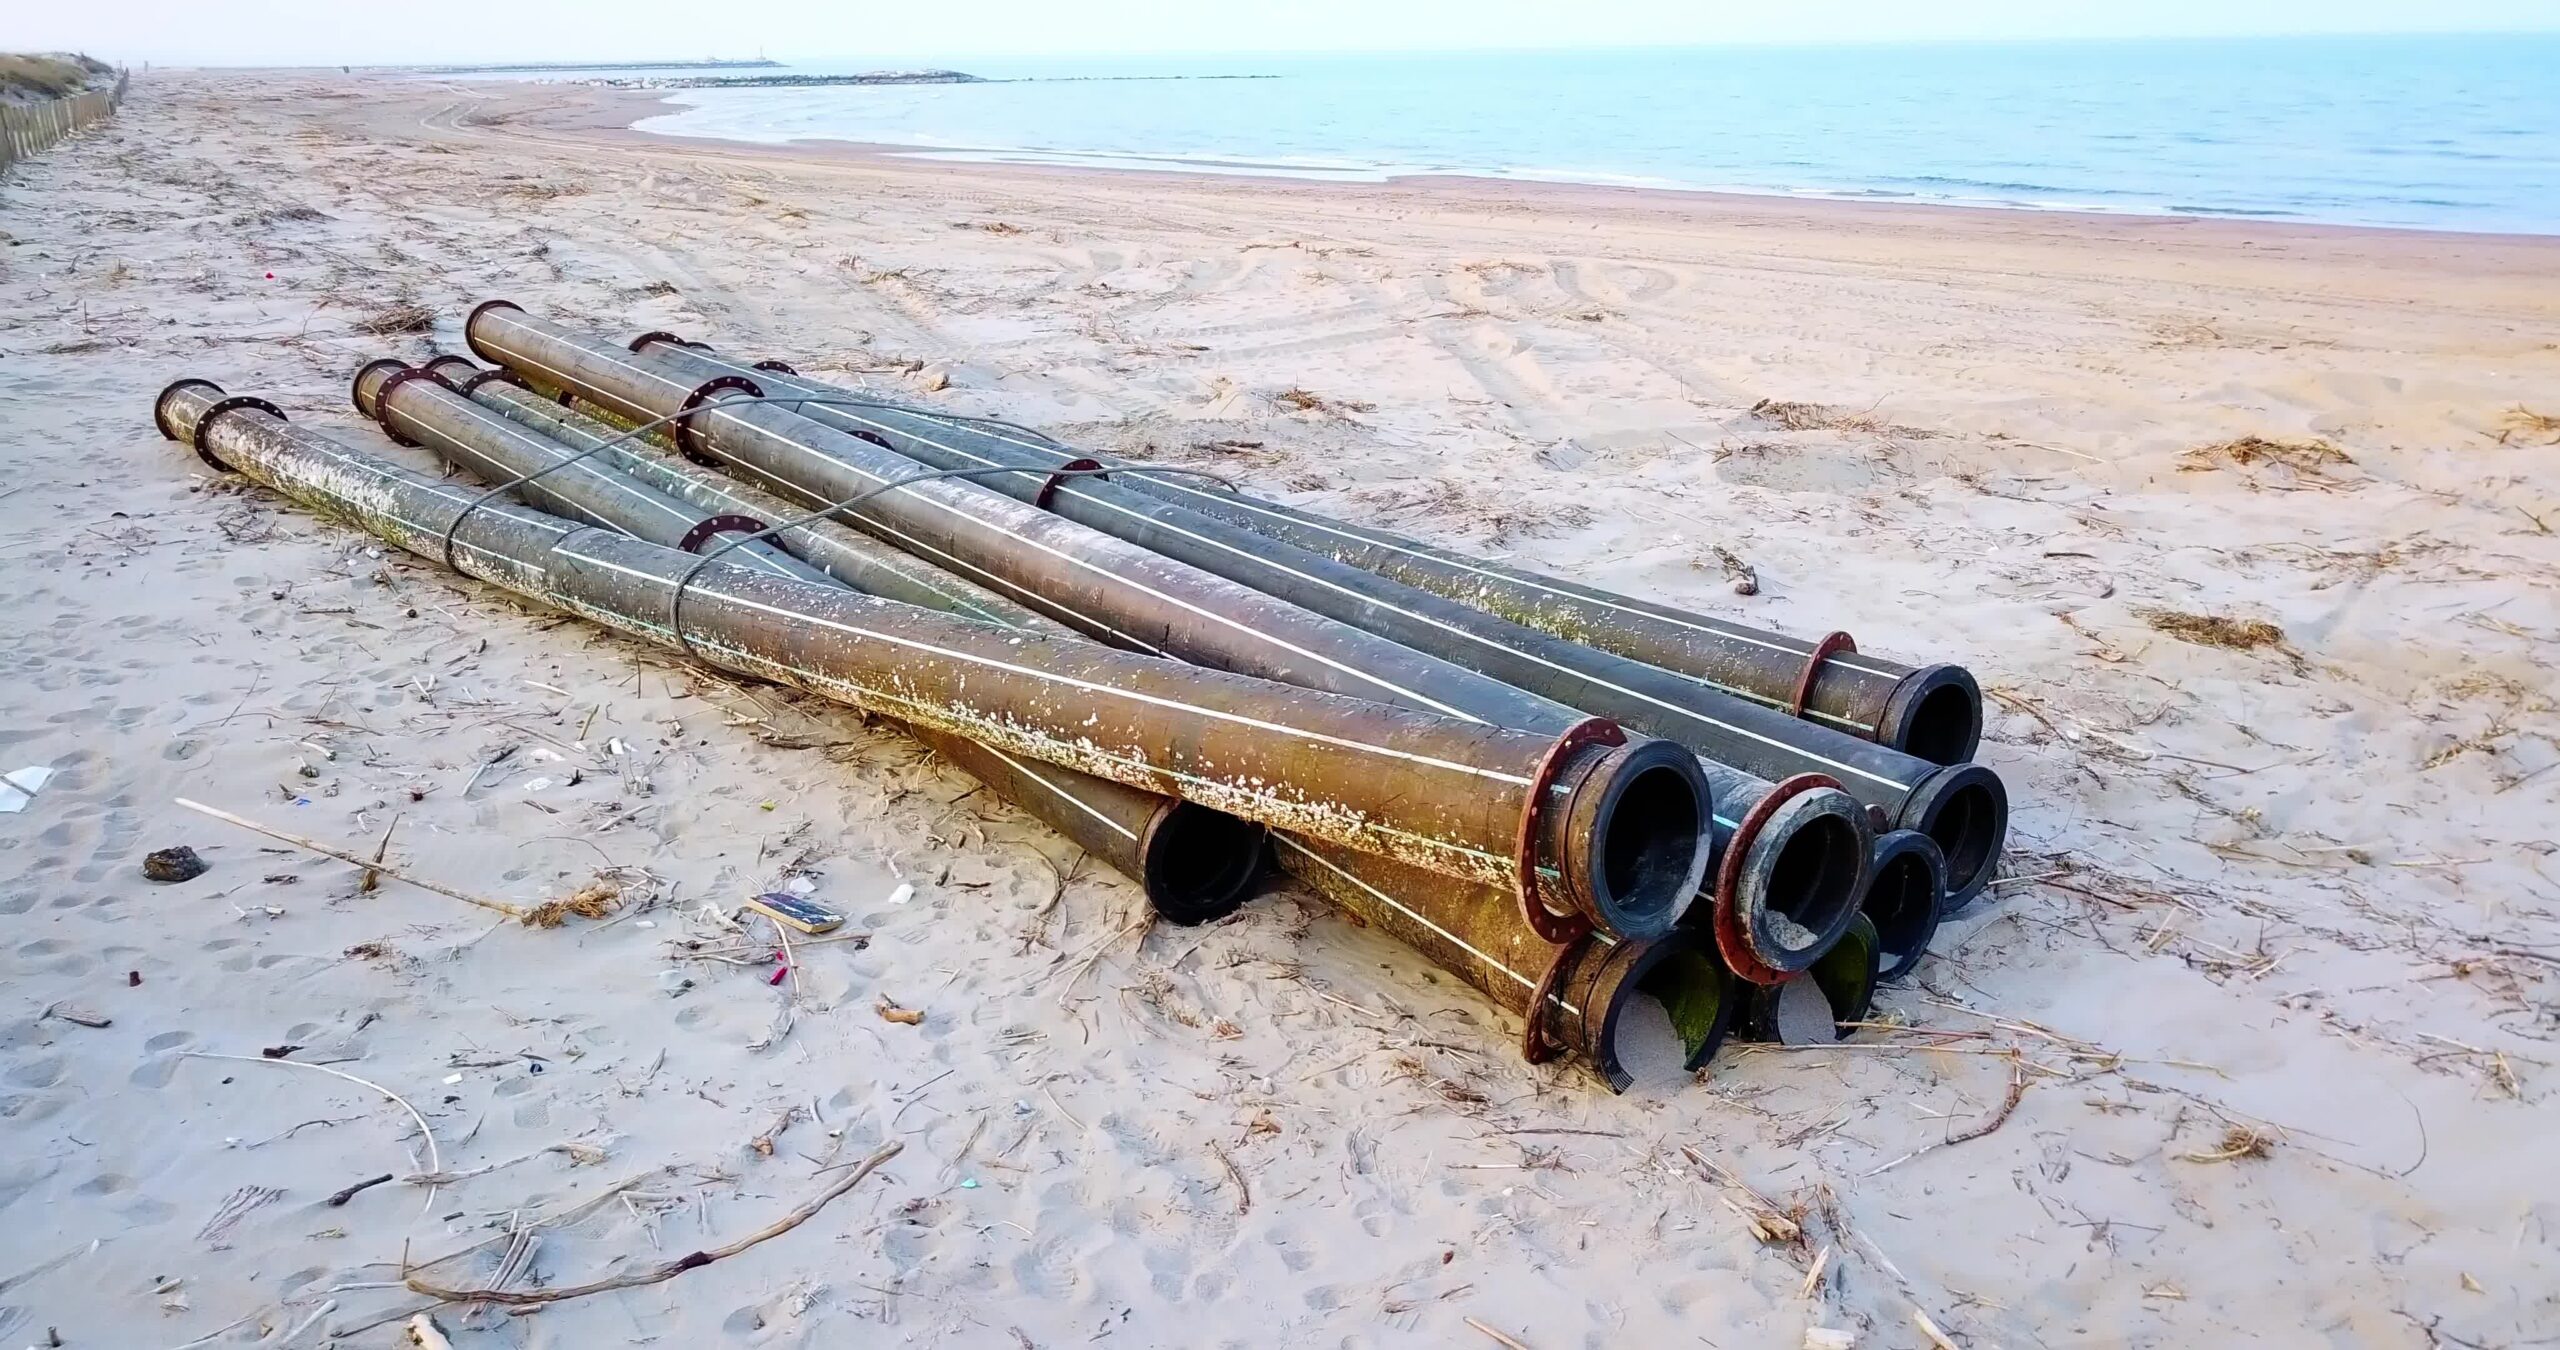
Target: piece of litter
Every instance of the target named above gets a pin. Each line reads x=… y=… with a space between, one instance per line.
x=613 y=746
x=451 y=1079
x=800 y=886
x=173 y=864
x=969 y=1185
x=20 y=786
x=536 y=784
x=906 y=891
x=646 y=923
x=542 y=755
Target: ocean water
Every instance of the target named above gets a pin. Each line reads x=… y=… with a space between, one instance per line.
x=2445 y=133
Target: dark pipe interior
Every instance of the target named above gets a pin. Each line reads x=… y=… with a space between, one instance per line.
x=1814 y=880
x=1946 y=726
x=1201 y=862
x=1649 y=840
x=1967 y=829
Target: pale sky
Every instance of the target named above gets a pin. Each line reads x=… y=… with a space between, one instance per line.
x=286 y=32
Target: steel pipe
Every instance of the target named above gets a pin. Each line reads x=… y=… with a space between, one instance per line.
x=857 y=560
x=1571 y=998
x=1469 y=930
x=1570 y=826
x=1108 y=587
x=1194 y=864
x=1964 y=804
x=1906 y=897
x=1933 y=712
x=1463 y=925
x=418 y=408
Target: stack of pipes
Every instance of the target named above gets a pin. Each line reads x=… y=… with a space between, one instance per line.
x=1571 y=799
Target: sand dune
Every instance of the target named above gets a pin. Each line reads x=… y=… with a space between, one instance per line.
x=2259 y=1025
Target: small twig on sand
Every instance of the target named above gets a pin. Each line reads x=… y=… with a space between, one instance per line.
x=1930 y=1329
x=340 y=1199
x=2008 y=1106
x=1244 y=1193
x=511 y=911
x=373 y=874
x=530 y=1298
x=1508 y=1342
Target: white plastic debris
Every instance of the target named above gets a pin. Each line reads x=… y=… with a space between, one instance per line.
x=19 y=787
x=906 y=891
x=536 y=784
x=800 y=886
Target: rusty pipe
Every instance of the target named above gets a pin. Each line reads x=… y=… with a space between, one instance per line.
x=1933 y=711
x=1569 y=824
x=416 y=407
x=855 y=559
x=1497 y=953
x=1965 y=804
x=1194 y=864
x=1570 y=998
x=1106 y=587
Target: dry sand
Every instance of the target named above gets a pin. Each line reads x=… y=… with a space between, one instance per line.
x=2274 y=965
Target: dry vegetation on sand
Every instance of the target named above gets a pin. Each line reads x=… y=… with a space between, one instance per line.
x=30 y=78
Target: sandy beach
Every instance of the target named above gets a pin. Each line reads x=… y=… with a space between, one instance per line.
x=2254 y=1043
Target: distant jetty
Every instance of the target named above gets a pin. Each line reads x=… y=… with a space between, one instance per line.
x=789 y=81
x=528 y=67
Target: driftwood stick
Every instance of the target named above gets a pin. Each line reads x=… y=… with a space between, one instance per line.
x=370 y=866
x=530 y=1298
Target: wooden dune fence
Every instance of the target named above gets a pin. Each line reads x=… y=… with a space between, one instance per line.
x=27 y=128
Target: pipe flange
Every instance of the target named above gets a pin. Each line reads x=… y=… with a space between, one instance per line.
x=221 y=406
x=705 y=529
x=382 y=397
x=1546 y=923
x=1731 y=942
x=1832 y=644
x=160 y=405
x=473 y=319
x=355 y=387
x=1535 y=1046
x=494 y=375
x=1049 y=485
x=681 y=429
x=655 y=335
x=435 y=363
x=777 y=367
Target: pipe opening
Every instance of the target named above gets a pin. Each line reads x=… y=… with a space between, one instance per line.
x=1824 y=1003
x=1967 y=828
x=1813 y=886
x=1651 y=1011
x=1903 y=900
x=1201 y=863
x=1688 y=987
x=1945 y=726
x=1650 y=846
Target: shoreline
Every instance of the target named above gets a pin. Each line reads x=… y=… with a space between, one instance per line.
x=618 y=111
x=1196 y=167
